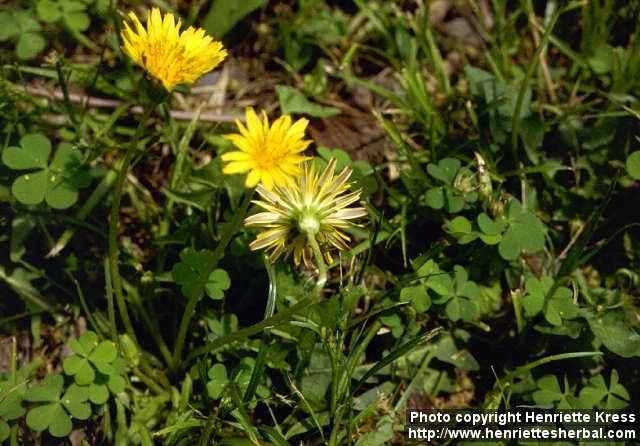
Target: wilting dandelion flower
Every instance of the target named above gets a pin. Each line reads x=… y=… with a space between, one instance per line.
x=167 y=54
x=315 y=206
x=271 y=154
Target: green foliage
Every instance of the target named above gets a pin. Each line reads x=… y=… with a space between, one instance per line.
x=294 y=101
x=21 y=26
x=550 y=394
x=71 y=12
x=633 y=165
x=525 y=233
x=96 y=365
x=57 y=182
x=56 y=409
x=186 y=274
x=598 y=394
x=497 y=267
x=225 y=14
x=217 y=375
x=556 y=307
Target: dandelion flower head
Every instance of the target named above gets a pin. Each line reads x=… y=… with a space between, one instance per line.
x=315 y=206
x=270 y=154
x=171 y=56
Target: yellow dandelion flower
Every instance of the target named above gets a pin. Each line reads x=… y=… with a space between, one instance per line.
x=167 y=54
x=271 y=154
x=315 y=206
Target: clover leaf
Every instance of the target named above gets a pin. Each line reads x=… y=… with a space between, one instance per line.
x=459 y=293
x=95 y=365
x=56 y=183
x=71 y=12
x=218 y=380
x=525 y=233
x=11 y=396
x=187 y=271
x=556 y=307
x=615 y=396
x=418 y=296
x=56 y=412
x=21 y=26
x=633 y=165
x=550 y=394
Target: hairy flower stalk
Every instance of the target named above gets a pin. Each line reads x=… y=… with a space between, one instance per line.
x=313 y=211
x=270 y=154
x=171 y=56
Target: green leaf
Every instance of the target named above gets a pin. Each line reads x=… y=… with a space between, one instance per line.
x=75 y=401
x=445 y=170
x=49 y=390
x=224 y=14
x=217 y=284
x=633 y=165
x=294 y=101
x=78 y=21
x=5 y=430
x=31 y=188
x=88 y=341
x=613 y=331
x=459 y=226
x=39 y=418
x=218 y=379
x=441 y=283
x=56 y=183
x=29 y=45
x=561 y=306
x=48 y=11
x=73 y=364
x=489 y=226
x=33 y=153
x=116 y=384
x=98 y=393
x=459 y=308
x=187 y=271
x=85 y=374
x=537 y=289
x=615 y=396
x=447 y=351
x=105 y=352
x=60 y=425
x=381 y=435
x=602 y=60
x=434 y=197
x=8 y=26
x=418 y=296
x=525 y=233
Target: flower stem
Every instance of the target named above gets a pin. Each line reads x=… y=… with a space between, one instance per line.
x=269 y=310
x=113 y=245
x=322 y=267
x=230 y=230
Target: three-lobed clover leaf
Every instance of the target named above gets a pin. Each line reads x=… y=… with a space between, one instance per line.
x=460 y=294
x=20 y=25
x=550 y=394
x=614 y=396
x=187 y=271
x=56 y=183
x=57 y=409
x=95 y=365
x=71 y=12
x=556 y=307
x=457 y=189
x=525 y=233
